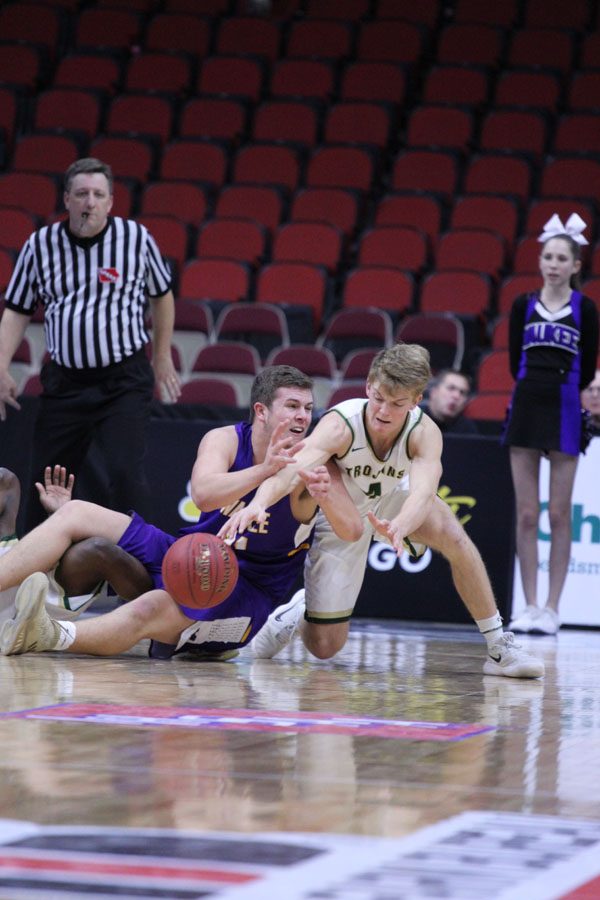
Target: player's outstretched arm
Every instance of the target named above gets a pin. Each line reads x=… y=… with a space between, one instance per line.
x=425 y=473
x=214 y=486
x=330 y=438
x=324 y=485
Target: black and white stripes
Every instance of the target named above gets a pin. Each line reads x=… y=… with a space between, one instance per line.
x=94 y=291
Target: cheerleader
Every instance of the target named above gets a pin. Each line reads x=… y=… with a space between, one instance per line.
x=553 y=344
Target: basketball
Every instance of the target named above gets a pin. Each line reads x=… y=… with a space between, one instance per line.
x=199 y=571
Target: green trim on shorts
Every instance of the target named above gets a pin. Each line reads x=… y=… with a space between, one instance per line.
x=328 y=618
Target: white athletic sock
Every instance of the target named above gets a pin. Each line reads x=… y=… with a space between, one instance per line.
x=67 y=635
x=490 y=628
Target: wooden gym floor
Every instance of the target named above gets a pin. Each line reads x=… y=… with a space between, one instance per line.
x=395 y=771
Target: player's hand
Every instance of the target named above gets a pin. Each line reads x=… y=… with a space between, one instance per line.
x=167 y=379
x=240 y=521
x=389 y=531
x=317 y=482
x=57 y=488
x=282 y=449
x=8 y=394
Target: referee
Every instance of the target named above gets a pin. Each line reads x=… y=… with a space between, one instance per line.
x=94 y=274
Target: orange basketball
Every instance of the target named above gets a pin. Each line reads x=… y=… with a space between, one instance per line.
x=199 y=571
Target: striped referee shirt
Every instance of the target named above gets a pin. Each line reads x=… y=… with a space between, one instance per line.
x=94 y=290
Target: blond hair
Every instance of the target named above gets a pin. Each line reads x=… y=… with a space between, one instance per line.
x=401 y=366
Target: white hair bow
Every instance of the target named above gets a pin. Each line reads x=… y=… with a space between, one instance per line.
x=573 y=228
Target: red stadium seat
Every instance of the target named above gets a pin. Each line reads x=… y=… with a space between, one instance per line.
x=15 y=226
x=500 y=214
x=319 y=39
x=383 y=82
x=393 y=245
x=334 y=206
x=306 y=79
x=318 y=243
x=550 y=48
x=144 y=114
x=34 y=192
x=186 y=201
x=262 y=203
x=488 y=406
x=199 y=162
x=341 y=167
x=263 y=325
x=266 y=164
x=457 y=85
x=440 y=126
x=494 y=173
x=420 y=211
x=181 y=32
x=357 y=122
x=493 y=372
x=433 y=171
x=213 y=118
x=241 y=239
x=225 y=280
x=290 y=121
x=514 y=130
x=353 y=328
x=235 y=76
x=473 y=250
x=470 y=43
x=462 y=293
x=514 y=285
x=257 y=36
x=210 y=392
x=441 y=333
x=379 y=286
x=389 y=40
x=297 y=285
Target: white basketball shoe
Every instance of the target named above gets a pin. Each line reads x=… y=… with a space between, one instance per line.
x=279 y=629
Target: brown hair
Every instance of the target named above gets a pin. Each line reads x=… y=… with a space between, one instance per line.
x=267 y=383
x=88 y=166
x=575 y=279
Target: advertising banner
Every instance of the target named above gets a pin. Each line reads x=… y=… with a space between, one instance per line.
x=580 y=600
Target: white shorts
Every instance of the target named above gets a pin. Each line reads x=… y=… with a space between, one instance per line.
x=334 y=569
x=58 y=604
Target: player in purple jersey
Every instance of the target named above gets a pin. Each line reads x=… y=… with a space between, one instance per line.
x=232 y=462
x=553 y=347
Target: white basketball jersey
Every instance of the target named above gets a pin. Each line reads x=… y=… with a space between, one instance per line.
x=367 y=477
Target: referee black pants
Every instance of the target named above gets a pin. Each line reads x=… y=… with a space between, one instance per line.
x=108 y=407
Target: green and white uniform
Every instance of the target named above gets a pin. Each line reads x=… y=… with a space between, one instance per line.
x=334 y=569
x=58 y=604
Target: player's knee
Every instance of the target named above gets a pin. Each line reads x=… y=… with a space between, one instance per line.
x=146 y=609
x=71 y=515
x=453 y=542
x=94 y=549
x=322 y=641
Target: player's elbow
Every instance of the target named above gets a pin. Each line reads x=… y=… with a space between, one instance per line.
x=350 y=529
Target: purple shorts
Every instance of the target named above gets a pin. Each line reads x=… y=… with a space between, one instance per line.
x=148 y=544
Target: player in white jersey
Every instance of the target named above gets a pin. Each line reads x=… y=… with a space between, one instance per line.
x=389 y=452
x=81 y=576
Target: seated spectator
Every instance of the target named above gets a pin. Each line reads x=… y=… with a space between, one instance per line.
x=446 y=397
x=590 y=400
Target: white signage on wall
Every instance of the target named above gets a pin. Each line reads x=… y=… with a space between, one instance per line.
x=580 y=601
